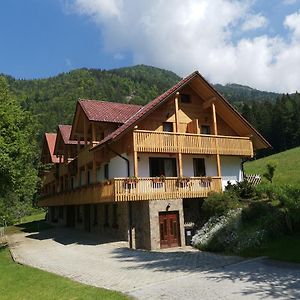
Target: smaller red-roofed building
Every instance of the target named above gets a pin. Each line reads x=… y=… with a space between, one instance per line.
x=141 y=173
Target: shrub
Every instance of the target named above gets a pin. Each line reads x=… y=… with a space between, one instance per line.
x=218 y=232
x=243 y=189
x=218 y=204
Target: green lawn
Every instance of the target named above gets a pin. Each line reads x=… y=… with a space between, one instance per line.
x=22 y=282
x=285 y=248
x=287 y=166
x=33 y=223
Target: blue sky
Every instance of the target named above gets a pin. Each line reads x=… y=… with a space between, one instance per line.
x=252 y=42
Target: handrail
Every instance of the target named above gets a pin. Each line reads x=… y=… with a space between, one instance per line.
x=193 y=134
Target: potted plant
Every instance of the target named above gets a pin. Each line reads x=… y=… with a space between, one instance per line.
x=183 y=181
x=131 y=182
x=158 y=181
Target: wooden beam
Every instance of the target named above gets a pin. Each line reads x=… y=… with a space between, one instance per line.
x=135 y=163
x=85 y=130
x=176 y=112
x=180 y=170
x=215 y=132
x=215 y=127
x=93 y=132
x=209 y=102
x=94 y=169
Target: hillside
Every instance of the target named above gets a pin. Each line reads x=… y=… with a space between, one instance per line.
x=52 y=100
x=287 y=166
x=237 y=93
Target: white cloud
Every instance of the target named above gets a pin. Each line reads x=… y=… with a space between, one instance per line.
x=198 y=34
x=253 y=22
x=293 y=23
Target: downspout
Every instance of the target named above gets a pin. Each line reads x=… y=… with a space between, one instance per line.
x=129 y=203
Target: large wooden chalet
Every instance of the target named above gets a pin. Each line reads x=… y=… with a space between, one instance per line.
x=140 y=173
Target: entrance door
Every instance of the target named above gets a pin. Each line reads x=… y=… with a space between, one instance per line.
x=70 y=216
x=169 y=229
x=87 y=218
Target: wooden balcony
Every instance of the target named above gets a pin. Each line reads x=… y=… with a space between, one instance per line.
x=147 y=188
x=188 y=143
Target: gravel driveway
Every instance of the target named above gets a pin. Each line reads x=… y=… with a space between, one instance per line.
x=182 y=273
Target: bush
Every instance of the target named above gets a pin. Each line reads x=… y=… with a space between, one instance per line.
x=243 y=189
x=218 y=204
x=218 y=232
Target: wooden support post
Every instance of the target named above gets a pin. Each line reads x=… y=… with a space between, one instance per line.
x=180 y=171
x=215 y=127
x=85 y=130
x=93 y=133
x=135 y=157
x=215 y=132
x=179 y=154
x=135 y=164
x=94 y=169
x=85 y=175
x=176 y=113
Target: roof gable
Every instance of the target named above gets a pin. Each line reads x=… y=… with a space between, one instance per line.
x=196 y=80
x=48 y=148
x=63 y=138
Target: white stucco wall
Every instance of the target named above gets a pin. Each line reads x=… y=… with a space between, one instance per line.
x=230 y=166
x=231 y=169
x=118 y=166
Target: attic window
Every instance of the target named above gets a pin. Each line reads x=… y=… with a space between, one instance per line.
x=185 y=98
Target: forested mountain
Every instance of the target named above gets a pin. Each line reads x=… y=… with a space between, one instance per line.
x=52 y=100
x=237 y=93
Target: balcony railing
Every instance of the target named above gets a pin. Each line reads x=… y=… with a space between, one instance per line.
x=147 y=188
x=188 y=143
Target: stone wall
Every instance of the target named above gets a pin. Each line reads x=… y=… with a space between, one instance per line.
x=141 y=225
x=156 y=206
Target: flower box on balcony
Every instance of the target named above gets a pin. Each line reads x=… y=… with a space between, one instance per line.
x=183 y=182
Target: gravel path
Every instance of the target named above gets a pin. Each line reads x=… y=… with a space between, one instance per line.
x=183 y=273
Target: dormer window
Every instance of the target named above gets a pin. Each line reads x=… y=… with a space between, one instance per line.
x=185 y=98
x=205 y=129
x=168 y=126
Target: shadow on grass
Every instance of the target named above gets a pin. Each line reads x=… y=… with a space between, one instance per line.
x=34 y=226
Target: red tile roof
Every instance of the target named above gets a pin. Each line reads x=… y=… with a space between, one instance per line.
x=51 y=139
x=145 y=110
x=65 y=131
x=102 y=111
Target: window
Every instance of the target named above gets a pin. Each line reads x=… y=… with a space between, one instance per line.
x=106 y=171
x=162 y=166
x=205 y=129
x=199 y=167
x=106 y=215
x=185 y=98
x=115 y=216
x=168 y=126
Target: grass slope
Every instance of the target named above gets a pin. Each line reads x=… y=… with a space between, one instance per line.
x=22 y=282
x=287 y=167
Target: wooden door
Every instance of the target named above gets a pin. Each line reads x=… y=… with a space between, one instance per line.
x=169 y=229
